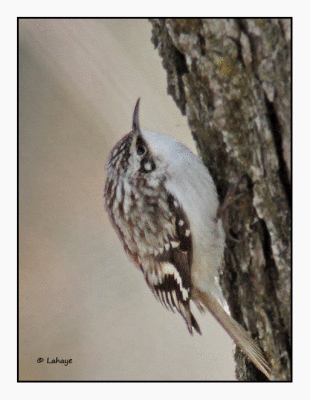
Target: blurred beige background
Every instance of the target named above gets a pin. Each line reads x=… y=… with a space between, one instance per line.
x=79 y=296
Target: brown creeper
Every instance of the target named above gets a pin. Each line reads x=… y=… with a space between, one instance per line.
x=163 y=204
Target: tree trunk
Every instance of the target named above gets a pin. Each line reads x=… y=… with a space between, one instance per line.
x=232 y=79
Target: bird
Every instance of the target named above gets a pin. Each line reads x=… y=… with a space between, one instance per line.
x=163 y=204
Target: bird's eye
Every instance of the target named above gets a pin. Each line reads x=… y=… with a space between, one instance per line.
x=141 y=150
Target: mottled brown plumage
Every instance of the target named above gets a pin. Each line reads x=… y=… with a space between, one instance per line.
x=163 y=205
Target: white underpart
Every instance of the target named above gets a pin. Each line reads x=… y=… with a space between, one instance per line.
x=193 y=188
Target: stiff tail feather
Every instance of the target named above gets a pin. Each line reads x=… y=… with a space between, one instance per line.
x=241 y=337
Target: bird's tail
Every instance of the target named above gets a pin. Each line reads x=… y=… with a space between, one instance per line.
x=235 y=331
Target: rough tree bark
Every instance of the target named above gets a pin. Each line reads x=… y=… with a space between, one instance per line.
x=232 y=79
